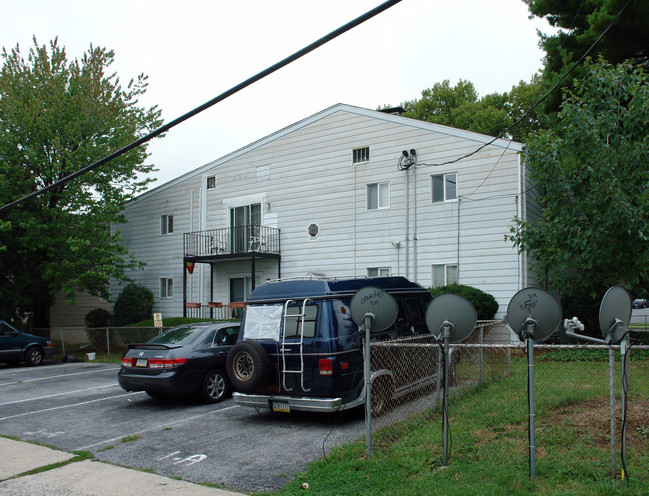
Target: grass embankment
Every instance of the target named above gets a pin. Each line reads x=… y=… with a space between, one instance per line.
x=490 y=442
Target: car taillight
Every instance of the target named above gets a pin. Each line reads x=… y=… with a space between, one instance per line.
x=326 y=366
x=166 y=363
x=128 y=362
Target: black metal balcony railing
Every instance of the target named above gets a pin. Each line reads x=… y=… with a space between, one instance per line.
x=242 y=240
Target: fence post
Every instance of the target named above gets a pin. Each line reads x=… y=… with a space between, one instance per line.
x=62 y=342
x=108 y=341
x=611 y=383
x=481 y=352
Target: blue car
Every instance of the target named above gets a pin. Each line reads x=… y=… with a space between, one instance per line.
x=17 y=346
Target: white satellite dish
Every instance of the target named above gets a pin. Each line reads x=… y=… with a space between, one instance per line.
x=534 y=313
x=375 y=310
x=450 y=318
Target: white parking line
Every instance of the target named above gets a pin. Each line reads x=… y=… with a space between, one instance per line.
x=157 y=427
x=69 y=406
x=58 y=394
x=113 y=369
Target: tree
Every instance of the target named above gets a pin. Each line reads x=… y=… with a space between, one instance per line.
x=581 y=24
x=56 y=117
x=594 y=171
x=460 y=106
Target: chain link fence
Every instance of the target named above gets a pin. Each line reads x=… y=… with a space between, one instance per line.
x=579 y=417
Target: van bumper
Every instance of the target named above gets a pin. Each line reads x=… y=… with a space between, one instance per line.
x=278 y=403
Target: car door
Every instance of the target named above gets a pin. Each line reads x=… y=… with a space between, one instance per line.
x=11 y=344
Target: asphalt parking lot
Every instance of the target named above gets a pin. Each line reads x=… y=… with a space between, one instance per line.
x=80 y=407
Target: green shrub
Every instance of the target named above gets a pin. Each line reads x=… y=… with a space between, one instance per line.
x=99 y=317
x=485 y=304
x=135 y=303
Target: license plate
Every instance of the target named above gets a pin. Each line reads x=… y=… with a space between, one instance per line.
x=281 y=406
x=141 y=362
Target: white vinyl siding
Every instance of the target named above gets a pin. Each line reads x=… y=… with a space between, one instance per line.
x=313 y=183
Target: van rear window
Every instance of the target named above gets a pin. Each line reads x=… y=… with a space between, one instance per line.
x=294 y=321
x=263 y=322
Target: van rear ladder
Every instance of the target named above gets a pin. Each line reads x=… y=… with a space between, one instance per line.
x=299 y=344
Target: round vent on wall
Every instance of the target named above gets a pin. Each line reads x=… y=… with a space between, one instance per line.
x=313 y=230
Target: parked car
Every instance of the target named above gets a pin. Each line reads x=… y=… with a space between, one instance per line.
x=640 y=303
x=188 y=359
x=17 y=346
x=299 y=348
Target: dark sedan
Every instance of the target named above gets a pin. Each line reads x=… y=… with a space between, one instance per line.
x=189 y=359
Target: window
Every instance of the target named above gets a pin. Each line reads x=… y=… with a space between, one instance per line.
x=211 y=182
x=166 y=224
x=444 y=274
x=378 y=271
x=444 y=187
x=378 y=196
x=361 y=155
x=166 y=287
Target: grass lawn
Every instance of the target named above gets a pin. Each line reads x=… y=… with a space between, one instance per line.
x=490 y=442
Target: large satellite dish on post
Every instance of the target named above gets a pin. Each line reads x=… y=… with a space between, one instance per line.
x=533 y=314
x=372 y=310
x=450 y=318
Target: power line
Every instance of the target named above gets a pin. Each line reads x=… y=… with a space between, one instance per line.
x=300 y=53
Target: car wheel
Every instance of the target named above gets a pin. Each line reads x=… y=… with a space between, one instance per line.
x=248 y=366
x=34 y=356
x=381 y=396
x=215 y=387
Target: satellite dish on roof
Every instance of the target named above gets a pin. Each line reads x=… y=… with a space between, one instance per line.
x=377 y=302
x=615 y=314
x=533 y=313
x=454 y=310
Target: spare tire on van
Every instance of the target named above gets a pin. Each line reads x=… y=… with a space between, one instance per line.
x=248 y=366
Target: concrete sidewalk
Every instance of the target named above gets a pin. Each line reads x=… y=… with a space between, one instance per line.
x=87 y=477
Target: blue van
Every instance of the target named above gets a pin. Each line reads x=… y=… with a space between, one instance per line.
x=299 y=349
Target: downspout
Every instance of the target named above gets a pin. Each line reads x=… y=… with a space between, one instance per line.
x=414 y=226
x=354 y=219
x=519 y=214
x=407 y=227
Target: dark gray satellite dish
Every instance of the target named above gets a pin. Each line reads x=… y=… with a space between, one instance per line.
x=450 y=318
x=454 y=310
x=373 y=310
x=533 y=314
x=377 y=302
x=615 y=314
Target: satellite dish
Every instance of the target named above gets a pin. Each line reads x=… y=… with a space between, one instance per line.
x=377 y=302
x=537 y=304
x=615 y=313
x=454 y=309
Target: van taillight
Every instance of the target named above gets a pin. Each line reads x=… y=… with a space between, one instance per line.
x=326 y=366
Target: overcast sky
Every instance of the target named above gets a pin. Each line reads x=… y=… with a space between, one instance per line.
x=193 y=51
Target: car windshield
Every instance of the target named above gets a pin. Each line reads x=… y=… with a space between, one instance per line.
x=178 y=335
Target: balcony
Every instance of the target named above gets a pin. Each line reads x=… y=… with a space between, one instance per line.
x=242 y=242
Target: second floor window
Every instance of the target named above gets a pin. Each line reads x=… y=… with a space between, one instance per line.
x=211 y=182
x=378 y=196
x=444 y=187
x=166 y=224
x=361 y=155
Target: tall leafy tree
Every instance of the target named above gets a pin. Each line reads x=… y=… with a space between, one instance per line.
x=594 y=169
x=56 y=117
x=580 y=23
x=461 y=107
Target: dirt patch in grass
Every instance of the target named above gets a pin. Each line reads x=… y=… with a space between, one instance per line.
x=593 y=417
